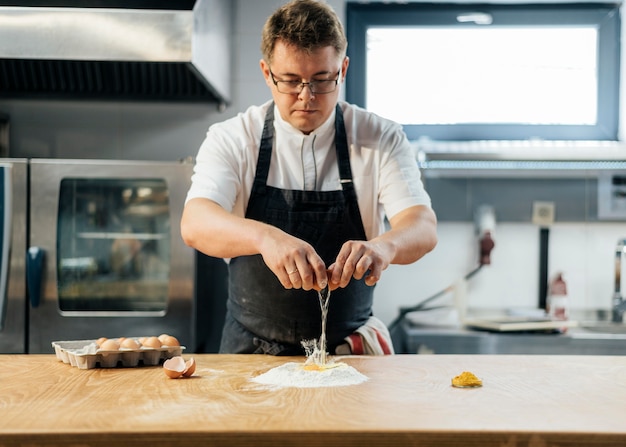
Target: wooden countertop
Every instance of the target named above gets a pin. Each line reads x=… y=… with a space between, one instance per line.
x=535 y=401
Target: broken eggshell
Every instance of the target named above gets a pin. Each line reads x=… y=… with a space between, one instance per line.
x=176 y=367
x=190 y=367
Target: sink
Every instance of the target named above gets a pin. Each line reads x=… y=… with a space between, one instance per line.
x=603 y=327
x=598 y=321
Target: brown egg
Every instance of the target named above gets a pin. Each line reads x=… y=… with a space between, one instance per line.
x=110 y=345
x=130 y=343
x=152 y=342
x=169 y=340
x=100 y=341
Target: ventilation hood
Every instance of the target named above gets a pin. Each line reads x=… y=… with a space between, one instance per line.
x=116 y=50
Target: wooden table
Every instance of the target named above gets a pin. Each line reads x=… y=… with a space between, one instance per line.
x=534 y=401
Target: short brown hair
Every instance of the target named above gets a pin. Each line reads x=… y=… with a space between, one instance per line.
x=306 y=24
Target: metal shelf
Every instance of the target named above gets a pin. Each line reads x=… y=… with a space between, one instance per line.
x=519 y=168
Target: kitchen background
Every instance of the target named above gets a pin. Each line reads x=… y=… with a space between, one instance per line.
x=581 y=245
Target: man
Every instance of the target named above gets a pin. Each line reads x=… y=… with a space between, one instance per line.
x=294 y=192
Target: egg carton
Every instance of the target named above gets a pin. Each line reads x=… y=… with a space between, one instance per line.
x=84 y=354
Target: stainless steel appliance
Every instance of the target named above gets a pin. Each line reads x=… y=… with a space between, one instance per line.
x=92 y=248
x=131 y=49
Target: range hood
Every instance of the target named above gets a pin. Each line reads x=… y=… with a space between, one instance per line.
x=116 y=50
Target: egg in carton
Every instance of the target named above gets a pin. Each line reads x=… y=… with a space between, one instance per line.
x=111 y=353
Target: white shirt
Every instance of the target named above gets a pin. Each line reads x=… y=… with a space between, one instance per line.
x=384 y=170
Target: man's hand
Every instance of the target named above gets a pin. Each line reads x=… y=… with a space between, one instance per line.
x=413 y=233
x=358 y=259
x=294 y=262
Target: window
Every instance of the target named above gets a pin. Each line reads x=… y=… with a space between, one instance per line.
x=485 y=72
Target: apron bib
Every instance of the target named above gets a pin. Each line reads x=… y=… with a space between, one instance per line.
x=263 y=316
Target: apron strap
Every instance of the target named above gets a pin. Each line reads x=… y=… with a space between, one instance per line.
x=343 y=154
x=265 y=153
x=345 y=171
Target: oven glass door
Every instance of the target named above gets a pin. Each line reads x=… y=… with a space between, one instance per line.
x=113 y=245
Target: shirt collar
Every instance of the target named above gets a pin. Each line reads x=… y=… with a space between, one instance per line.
x=324 y=129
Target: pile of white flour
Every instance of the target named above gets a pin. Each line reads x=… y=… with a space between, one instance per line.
x=293 y=375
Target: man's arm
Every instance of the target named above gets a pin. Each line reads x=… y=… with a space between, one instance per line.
x=212 y=230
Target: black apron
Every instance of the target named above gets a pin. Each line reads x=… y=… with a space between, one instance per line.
x=264 y=317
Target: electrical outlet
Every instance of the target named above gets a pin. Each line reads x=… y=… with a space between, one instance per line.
x=543 y=213
x=485 y=219
x=612 y=196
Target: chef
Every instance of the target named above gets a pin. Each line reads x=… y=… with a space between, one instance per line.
x=294 y=194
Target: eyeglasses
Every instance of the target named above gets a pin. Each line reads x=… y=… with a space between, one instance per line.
x=316 y=86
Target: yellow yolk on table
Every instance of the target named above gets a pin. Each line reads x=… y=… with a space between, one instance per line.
x=466 y=380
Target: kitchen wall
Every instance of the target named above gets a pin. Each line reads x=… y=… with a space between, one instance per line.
x=580 y=246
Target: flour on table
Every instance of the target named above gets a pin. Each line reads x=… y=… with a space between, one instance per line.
x=294 y=375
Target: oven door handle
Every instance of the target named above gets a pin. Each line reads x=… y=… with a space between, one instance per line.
x=34 y=273
x=6 y=209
